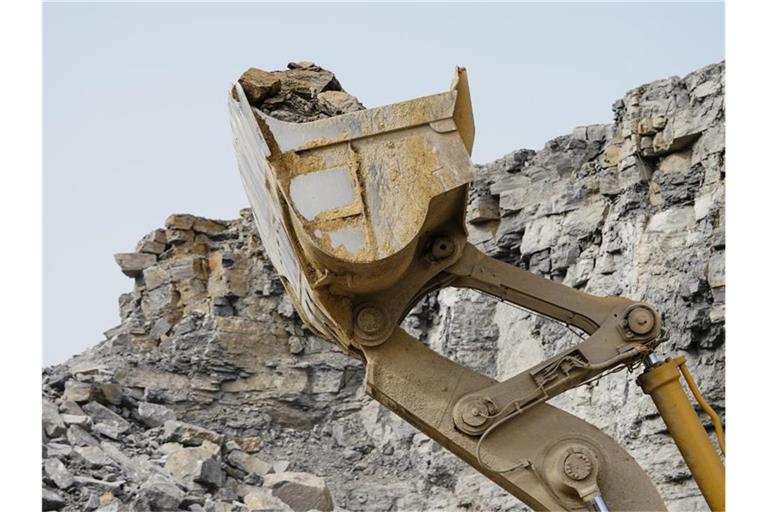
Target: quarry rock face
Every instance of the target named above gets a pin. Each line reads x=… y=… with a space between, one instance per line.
x=210 y=394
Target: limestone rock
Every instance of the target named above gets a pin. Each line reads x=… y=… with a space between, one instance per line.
x=159 y=493
x=71 y=408
x=98 y=483
x=76 y=436
x=307 y=81
x=263 y=500
x=259 y=85
x=154 y=415
x=58 y=450
x=301 y=491
x=208 y=226
x=58 y=473
x=190 y=435
x=109 y=393
x=79 y=391
x=716 y=270
x=541 y=235
x=93 y=455
x=334 y=103
x=53 y=424
x=104 y=392
x=160 y=328
x=152 y=243
x=248 y=463
x=249 y=444
x=197 y=464
x=77 y=419
x=304 y=92
x=52 y=500
x=105 y=421
x=133 y=264
x=180 y=221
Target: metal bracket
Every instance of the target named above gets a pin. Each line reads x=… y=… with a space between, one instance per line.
x=622 y=332
x=423 y=387
x=460 y=408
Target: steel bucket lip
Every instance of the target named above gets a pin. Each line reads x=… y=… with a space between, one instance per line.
x=290 y=136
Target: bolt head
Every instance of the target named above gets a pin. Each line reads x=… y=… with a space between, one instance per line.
x=577 y=466
x=443 y=247
x=475 y=413
x=640 y=320
x=370 y=320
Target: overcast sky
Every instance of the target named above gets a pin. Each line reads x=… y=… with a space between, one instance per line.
x=135 y=118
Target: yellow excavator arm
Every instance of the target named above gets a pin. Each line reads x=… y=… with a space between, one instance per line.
x=362 y=215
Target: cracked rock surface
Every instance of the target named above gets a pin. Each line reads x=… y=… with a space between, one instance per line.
x=210 y=394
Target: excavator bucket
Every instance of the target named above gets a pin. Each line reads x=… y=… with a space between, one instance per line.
x=349 y=195
x=362 y=215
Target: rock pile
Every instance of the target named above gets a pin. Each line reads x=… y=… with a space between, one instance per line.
x=302 y=93
x=211 y=395
x=108 y=448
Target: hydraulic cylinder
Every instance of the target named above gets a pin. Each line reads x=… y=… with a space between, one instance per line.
x=662 y=382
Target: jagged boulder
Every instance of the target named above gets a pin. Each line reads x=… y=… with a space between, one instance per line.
x=301 y=491
x=199 y=464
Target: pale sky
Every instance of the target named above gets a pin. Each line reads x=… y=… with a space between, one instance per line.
x=135 y=119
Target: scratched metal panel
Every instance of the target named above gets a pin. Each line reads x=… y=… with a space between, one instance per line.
x=363 y=123
x=363 y=182
x=263 y=193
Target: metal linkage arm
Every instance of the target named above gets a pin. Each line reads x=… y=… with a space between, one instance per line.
x=622 y=331
x=544 y=296
x=549 y=459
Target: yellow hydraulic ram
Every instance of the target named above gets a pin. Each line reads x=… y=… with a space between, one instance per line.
x=661 y=380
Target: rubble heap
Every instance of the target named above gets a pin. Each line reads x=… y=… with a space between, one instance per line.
x=211 y=395
x=304 y=92
x=107 y=447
